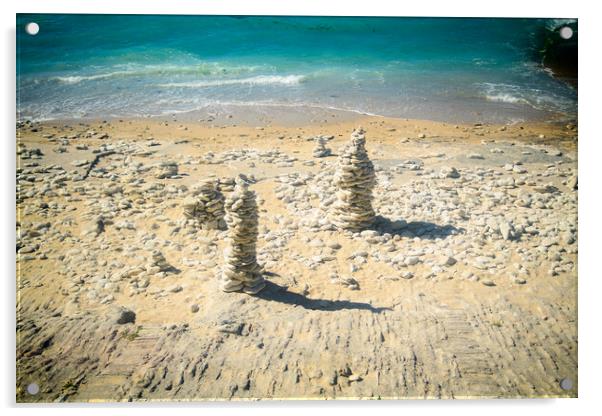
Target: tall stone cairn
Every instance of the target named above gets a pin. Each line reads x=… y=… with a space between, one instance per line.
x=206 y=208
x=355 y=180
x=241 y=271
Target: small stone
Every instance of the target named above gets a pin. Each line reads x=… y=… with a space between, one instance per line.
x=194 y=308
x=407 y=275
x=175 y=289
x=487 y=282
x=79 y=163
x=350 y=282
x=333 y=379
x=228 y=327
x=411 y=260
x=167 y=170
x=448 y=172
x=555 y=152
x=124 y=315
x=448 y=261
x=505 y=230
x=95 y=228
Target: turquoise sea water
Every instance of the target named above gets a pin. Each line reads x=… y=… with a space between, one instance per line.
x=431 y=68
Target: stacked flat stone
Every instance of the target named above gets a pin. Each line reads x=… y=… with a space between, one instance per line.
x=206 y=208
x=158 y=263
x=241 y=271
x=189 y=207
x=321 y=150
x=167 y=170
x=355 y=179
x=225 y=185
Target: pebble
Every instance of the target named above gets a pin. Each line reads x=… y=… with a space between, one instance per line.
x=448 y=172
x=122 y=315
x=175 y=289
x=166 y=169
x=407 y=275
x=411 y=260
x=447 y=261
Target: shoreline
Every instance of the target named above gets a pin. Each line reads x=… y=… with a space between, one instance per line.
x=296 y=115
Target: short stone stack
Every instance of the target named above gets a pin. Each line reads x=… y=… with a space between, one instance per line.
x=241 y=271
x=167 y=170
x=206 y=208
x=321 y=150
x=158 y=263
x=355 y=179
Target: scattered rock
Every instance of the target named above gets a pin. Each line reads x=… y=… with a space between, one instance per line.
x=122 y=315
x=167 y=170
x=448 y=172
x=229 y=327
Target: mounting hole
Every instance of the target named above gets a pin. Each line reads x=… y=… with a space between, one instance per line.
x=32 y=28
x=566 y=384
x=566 y=32
x=33 y=389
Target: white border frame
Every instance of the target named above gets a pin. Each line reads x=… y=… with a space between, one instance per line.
x=589 y=194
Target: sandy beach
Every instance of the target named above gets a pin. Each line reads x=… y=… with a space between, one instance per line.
x=466 y=285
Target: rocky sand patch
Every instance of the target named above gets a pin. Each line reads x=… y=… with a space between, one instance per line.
x=456 y=277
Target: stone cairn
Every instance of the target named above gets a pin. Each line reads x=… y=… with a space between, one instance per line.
x=206 y=208
x=158 y=263
x=241 y=271
x=355 y=180
x=167 y=170
x=321 y=150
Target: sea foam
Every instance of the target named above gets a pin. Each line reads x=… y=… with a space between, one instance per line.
x=257 y=80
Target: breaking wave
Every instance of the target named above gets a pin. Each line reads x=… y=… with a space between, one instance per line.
x=257 y=80
x=200 y=69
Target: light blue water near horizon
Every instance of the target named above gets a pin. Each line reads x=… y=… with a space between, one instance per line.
x=445 y=69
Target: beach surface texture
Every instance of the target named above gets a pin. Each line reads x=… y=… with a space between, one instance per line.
x=464 y=285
